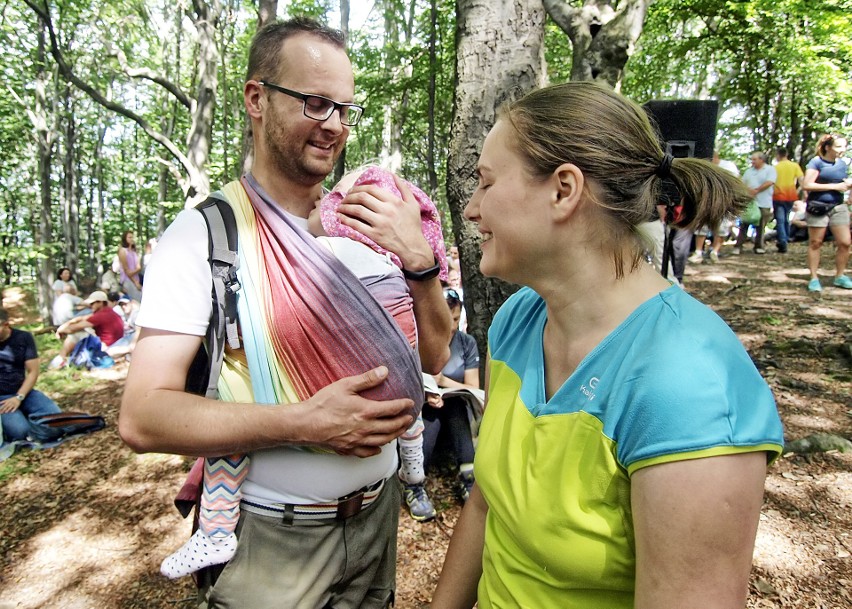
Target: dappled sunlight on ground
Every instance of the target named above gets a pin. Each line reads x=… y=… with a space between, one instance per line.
x=86 y=525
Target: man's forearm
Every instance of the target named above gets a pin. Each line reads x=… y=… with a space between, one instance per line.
x=434 y=324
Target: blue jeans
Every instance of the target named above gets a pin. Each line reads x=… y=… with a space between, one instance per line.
x=16 y=426
x=782 y=223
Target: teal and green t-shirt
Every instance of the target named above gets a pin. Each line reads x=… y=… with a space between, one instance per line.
x=671 y=383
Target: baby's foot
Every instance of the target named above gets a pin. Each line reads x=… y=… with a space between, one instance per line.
x=199 y=552
x=411 y=457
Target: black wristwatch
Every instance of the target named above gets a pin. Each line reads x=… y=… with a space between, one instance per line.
x=423 y=275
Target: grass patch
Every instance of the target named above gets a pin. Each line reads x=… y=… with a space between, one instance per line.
x=13 y=467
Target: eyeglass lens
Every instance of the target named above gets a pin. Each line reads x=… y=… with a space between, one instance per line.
x=319 y=109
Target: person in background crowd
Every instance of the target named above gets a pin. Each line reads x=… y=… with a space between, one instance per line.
x=760 y=179
x=105 y=323
x=599 y=481
x=723 y=230
x=827 y=184
x=64 y=284
x=786 y=192
x=448 y=415
x=19 y=369
x=66 y=302
x=131 y=266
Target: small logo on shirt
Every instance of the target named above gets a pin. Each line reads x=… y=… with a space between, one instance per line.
x=589 y=388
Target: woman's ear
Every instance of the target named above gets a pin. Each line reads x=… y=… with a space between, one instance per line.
x=569 y=182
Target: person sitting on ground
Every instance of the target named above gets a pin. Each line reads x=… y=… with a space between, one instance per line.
x=215 y=540
x=449 y=415
x=19 y=369
x=105 y=323
x=108 y=281
x=127 y=309
x=64 y=284
x=798 y=222
x=66 y=303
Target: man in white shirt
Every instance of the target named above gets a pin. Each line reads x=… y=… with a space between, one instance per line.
x=299 y=97
x=760 y=178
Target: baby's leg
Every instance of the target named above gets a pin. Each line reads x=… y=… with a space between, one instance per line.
x=411 y=469
x=214 y=542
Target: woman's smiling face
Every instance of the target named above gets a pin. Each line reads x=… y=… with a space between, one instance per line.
x=508 y=206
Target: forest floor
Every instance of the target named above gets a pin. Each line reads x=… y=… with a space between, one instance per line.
x=86 y=524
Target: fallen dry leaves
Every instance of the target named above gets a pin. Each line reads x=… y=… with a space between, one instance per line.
x=85 y=525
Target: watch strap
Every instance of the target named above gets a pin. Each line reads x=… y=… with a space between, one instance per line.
x=423 y=275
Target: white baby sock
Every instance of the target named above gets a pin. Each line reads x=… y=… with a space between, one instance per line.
x=411 y=455
x=200 y=551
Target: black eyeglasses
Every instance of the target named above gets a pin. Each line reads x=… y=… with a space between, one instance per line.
x=320 y=108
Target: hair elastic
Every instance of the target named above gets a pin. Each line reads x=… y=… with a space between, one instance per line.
x=664 y=169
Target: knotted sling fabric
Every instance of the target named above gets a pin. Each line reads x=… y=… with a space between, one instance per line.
x=430 y=220
x=306 y=320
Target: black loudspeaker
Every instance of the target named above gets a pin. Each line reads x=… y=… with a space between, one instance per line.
x=687 y=126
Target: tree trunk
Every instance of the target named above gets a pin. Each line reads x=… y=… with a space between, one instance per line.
x=45 y=137
x=391 y=153
x=266 y=12
x=602 y=38
x=494 y=62
x=340 y=164
x=433 y=75
x=206 y=20
x=70 y=211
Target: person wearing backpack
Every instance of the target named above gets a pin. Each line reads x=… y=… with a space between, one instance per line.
x=19 y=369
x=313 y=392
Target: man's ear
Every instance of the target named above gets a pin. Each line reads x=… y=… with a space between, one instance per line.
x=253 y=96
x=569 y=182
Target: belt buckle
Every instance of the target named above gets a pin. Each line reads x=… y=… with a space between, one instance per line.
x=349 y=505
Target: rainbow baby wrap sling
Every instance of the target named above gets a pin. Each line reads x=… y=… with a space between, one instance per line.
x=306 y=321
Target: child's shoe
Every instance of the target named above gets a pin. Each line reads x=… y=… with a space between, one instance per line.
x=419 y=505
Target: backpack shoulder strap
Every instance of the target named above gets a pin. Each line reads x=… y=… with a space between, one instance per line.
x=224 y=262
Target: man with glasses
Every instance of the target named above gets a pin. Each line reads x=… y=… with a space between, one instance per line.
x=320 y=503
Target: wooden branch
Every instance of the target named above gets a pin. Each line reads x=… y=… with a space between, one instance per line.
x=89 y=90
x=148 y=74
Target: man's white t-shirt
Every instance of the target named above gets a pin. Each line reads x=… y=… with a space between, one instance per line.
x=755 y=177
x=177 y=299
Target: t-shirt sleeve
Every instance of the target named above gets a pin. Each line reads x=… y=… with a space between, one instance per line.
x=772 y=174
x=471 y=352
x=698 y=404
x=177 y=292
x=30 y=350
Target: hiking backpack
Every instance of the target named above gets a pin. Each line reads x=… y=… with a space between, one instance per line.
x=222 y=254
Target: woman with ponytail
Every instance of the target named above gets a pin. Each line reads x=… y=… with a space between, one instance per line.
x=624 y=445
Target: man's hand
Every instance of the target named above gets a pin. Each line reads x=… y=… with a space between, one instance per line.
x=391 y=222
x=349 y=424
x=9 y=405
